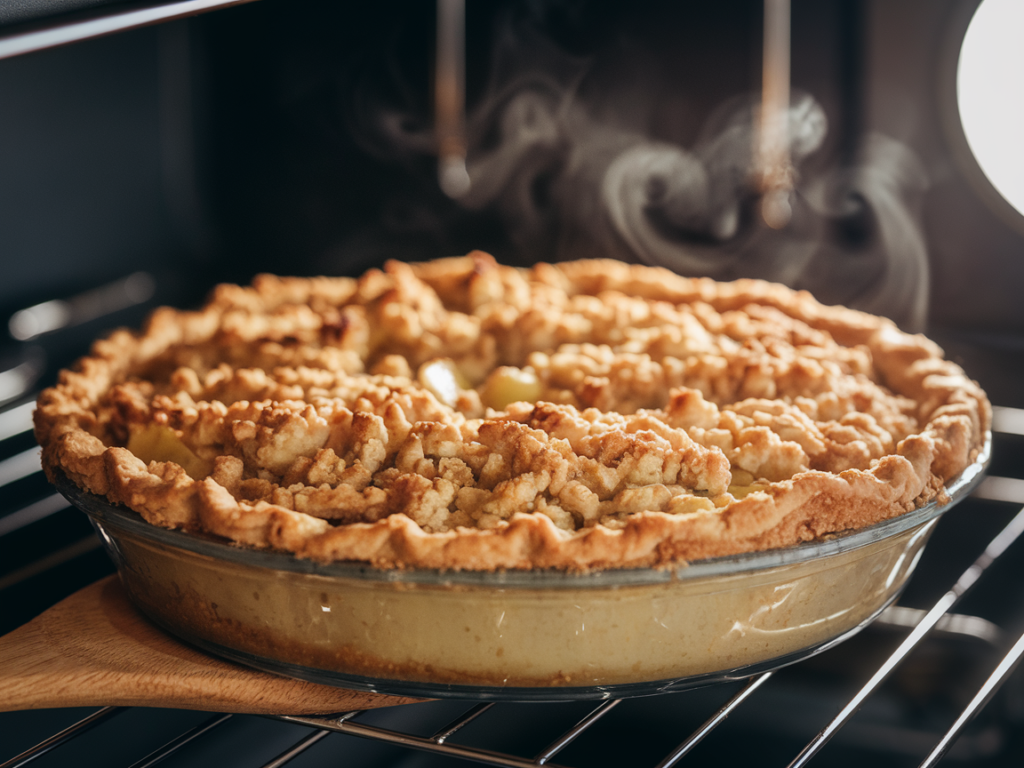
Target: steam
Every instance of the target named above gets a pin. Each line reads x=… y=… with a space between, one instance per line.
x=876 y=258
x=568 y=184
x=683 y=209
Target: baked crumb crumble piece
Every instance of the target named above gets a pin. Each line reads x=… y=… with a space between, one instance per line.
x=461 y=414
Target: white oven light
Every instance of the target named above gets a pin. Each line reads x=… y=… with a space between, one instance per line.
x=990 y=95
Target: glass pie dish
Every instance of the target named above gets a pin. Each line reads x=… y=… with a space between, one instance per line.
x=515 y=635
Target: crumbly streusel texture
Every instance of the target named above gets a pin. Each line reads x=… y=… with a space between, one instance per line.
x=460 y=414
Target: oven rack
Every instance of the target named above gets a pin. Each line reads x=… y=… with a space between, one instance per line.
x=391 y=726
x=42 y=24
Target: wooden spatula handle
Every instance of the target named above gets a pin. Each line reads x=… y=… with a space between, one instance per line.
x=95 y=649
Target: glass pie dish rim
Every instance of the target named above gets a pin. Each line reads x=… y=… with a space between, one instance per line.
x=956 y=489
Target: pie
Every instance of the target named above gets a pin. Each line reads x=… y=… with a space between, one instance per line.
x=463 y=415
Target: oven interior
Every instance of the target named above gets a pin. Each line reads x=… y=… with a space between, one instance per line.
x=141 y=168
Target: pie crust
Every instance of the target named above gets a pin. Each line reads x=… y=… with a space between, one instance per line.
x=459 y=414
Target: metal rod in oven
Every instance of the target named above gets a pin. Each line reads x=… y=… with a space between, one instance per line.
x=20 y=465
x=16 y=420
x=77 y=549
x=1009 y=421
x=996 y=488
x=573 y=733
x=773 y=168
x=984 y=695
x=56 y=314
x=344 y=724
x=450 y=97
x=460 y=722
x=33 y=513
x=178 y=742
x=968 y=579
x=697 y=736
x=83 y=725
x=121 y=18
x=297 y=749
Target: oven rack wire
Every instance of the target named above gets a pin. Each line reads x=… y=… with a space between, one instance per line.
x=67 y=28
x=18 y=463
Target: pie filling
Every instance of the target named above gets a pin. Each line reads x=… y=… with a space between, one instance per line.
x=459 y=414
x=515 y=637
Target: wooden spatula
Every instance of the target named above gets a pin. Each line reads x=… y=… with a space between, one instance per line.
x=94 y=648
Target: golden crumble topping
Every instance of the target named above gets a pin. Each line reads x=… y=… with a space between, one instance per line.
x=462 y=414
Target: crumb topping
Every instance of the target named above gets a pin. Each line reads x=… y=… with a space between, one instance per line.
x=459 y=413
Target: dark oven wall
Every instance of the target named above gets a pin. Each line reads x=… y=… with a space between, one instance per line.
x=95 y=185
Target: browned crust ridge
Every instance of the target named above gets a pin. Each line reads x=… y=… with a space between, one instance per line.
x=676 y=418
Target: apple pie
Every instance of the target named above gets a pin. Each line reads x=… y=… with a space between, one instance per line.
x=463 y=415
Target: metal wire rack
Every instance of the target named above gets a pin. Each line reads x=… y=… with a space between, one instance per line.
x=34 y=506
